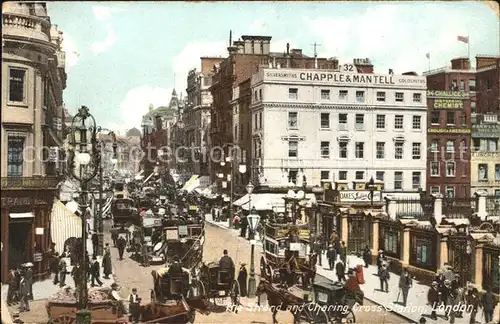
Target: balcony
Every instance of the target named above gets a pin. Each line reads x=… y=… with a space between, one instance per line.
x=26 y=26
x=28 y=183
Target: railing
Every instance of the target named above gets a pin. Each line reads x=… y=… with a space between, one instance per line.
x=421 y=209
x=34 y=26
x=459 y=207
x=493 y=205
x=29 y=183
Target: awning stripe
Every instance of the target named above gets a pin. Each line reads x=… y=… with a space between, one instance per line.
x=63 y=225
x=22 y=215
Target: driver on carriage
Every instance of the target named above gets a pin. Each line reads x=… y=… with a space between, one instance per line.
x=175 y=269
x=226 y=263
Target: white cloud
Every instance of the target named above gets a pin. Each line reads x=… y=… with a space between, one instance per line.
x=69 y=47
x=136 y=104
x=102 y=46
x=189 y=58
x=104 y=13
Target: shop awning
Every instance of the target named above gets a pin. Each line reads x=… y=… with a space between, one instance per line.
x=243 y=200
x=191 y=184
x=269 y=201
x=64 y=225
x=22 y=215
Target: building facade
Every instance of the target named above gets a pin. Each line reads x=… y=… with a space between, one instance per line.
x=344 y=127
x=450 y=98
x=33 y=80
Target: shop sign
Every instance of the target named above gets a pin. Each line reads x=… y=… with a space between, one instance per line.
x=447 y=94
x=486 y=154
x=54 y=154
x=358 y=195
x=22 y=201
x=448 y=104
x=282 y=232
x=304 y=233
x=37 y=257
x=449 y=130
x=486 y=131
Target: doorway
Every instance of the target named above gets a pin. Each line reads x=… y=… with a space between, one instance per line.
x=18 y=243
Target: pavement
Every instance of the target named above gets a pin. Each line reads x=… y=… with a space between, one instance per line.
x=225 y=226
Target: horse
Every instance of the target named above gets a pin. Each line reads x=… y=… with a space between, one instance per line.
x=279 y=299
x=308 y=270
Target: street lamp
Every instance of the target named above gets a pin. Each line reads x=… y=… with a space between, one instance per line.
x=371 y=186
x=253 y=222
x=79 y=154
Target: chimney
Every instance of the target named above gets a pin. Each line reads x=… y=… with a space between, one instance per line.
x=461 y=63
x=287 y=48
x=391 y=71
x=230 y=38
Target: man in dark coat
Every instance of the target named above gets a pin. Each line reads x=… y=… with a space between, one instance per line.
x=433 y=299
x=54 y=267
x=94 y=272
x=243 y=226
x=106 y=262
x=367 y=256
x=95 y=243
x=121 y=243
x=331 y=254
x=63 y=270
x=175 y=269
x=76 y=273
x=226 y=262
x=242 y=280
x=340 y=268
x=13 y=286
x=28 y=275
x=343 y=252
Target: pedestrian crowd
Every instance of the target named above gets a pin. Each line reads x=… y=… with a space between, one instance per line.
x=20 y=290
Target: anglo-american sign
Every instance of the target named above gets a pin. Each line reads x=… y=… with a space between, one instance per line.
x=356 y=196
x=348 y=78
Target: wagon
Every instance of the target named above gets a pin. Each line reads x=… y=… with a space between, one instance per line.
x=62 y=308
x=217 y=283
x=167 y=287
x=279 y=250
x=331 y=303
x=185 y=242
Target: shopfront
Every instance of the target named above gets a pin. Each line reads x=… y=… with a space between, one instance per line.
x=25 y=233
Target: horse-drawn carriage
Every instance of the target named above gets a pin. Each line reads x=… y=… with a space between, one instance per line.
x=286 y=256
x=215 y=282
x=184 y=241
x=123 y=212
x=152 y=245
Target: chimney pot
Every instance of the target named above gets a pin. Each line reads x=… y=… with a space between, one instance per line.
x=287 y=48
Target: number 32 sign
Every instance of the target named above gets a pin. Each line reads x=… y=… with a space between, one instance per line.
x=348 y=68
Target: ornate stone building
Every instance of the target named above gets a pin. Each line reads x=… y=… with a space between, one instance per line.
x=33 y=80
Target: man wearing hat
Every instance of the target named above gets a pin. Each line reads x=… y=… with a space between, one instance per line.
x=226 y=262
x=114 y=295
x=28 y=275
x=242 y=279
x=134 y=306
x=175 y=269
x=331 y=255
x=433 y=298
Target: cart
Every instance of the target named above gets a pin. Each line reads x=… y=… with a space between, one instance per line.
x=152 y=245
x=63 y=306
x=184 y=242
x=123 y=212
x=285 y=251
x=216 y=283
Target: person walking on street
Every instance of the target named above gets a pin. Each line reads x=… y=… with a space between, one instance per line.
x=23 y=292
x=63 y=270
x=95 y=243
x=340 y=268
x=384 y=276
x=343 y=252
x=134 y=306
x=95 y=273
x=242 y=279
x=433 y=299
x=28 y=275
x=405 y=283
x=331 y=255
x=13 y=287
x=121 y=243
x=380 y=259
x=106 y=262
x=76 y=273
x=318 y=249
x=472 y=298
x=54 y=267
x=367 y=256
x=114 y=235
x=489 y=304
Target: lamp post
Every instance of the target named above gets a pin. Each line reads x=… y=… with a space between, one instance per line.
x=371 y=187
x=79 y=154
x=253 y=222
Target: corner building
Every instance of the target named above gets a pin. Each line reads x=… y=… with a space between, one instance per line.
x=343 y=127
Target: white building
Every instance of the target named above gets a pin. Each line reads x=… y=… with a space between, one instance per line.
x=342 y=127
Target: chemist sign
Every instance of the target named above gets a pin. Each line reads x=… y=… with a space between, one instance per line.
x=448 y=104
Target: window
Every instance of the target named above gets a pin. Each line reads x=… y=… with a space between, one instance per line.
x=343 y=175
x=360 y=175
x=450 y=169
x=398 y=122
x=497 y=172
x=380 y=96
x=462 y=85
x=391 y=241
x=434 y=146
x=489 y=84
x=260 y=94
x=398 y=180
x=343 y=94
x=360 y=96
x=325 y=94
x=380 y=150
x=422 y=253
x=360 y=147
x=435 y=115
x=399 y=97
x=454 y=85
x=462 y=118
x=260 y=120
x=293 y=147
x=292 y=175
x=415 y=151
x=417 y=97
x=492 y=145
x=472 y=106
x=325 y=150
x=379 y=175
x=450 y=118
x=325 y=120
x=472 y=84
x=15 y=148
x=450 y=146
x=435 y=190
x=255 y=95
x=292 y=120
x=360 y=122
x=450 y=191
x=16 y=85
x=398 y=150
x=463 y=146
x=343 y=150
x=342 y=121
x=415 y=179
x=417 y=122
x=325 y=175
x=435 y=169
x=293 y=93
x=482 y=172
x=380 y=121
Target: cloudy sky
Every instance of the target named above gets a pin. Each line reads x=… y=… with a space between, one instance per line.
x=123 y=56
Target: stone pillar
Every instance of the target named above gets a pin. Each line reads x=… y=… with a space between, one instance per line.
x=392 y=209
x=481 y=205
x=406 y=246
x=345 y=228
x=443 y=248
x=478 y=278
x=375 y=229
x=438 y=207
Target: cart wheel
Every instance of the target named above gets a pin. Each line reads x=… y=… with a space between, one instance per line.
x=311 y=313
x=235 y=293
x=350 y=318
x=65 y=319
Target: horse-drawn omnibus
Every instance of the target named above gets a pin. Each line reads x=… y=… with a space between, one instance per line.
x=184 y=240
x=123 y=212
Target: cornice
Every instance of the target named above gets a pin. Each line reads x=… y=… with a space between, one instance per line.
x=323 y=106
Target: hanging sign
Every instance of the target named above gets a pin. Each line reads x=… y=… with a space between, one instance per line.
x=37 y=257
